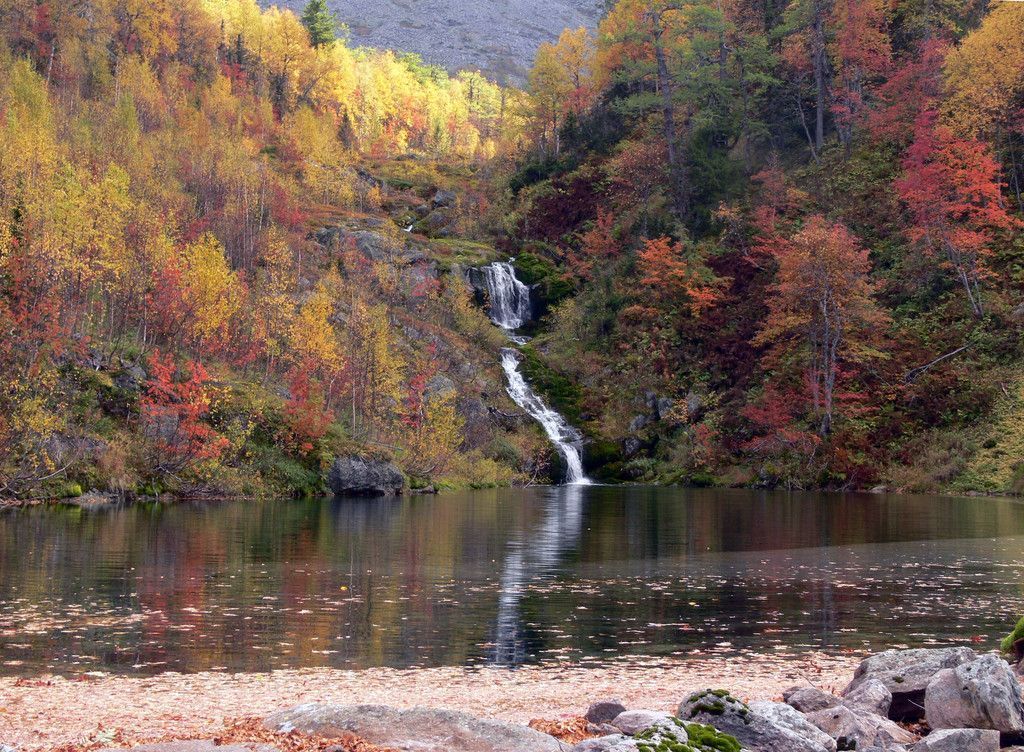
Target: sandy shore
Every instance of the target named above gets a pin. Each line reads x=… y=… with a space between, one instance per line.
x=44 y=713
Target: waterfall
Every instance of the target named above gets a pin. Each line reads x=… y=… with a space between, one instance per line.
x=565 y=438
x=510 y=298
x=510 y=309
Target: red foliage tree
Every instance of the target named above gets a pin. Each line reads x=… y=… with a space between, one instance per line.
x=598 y=244
x=676 y=276
x=951 y=188
x=820 y=311
x=306 y=414
x=173 y=410
x=861 y=55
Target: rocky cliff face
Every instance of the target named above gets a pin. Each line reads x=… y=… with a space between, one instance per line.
x=499 y=38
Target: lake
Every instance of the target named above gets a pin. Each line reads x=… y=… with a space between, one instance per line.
x=511 y=576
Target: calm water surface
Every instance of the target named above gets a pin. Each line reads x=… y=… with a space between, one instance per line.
x=507 y=577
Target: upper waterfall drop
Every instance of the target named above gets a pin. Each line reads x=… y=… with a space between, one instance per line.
x=509 y=309
x=510 y=298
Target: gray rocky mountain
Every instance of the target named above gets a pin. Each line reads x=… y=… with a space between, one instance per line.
x=499 y=37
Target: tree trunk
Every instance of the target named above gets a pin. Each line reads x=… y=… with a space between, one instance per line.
x=676 y=169
x=818 y=54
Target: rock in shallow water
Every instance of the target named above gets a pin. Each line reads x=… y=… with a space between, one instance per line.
x=364 y=477
x=906 y=673
x=415 y=730
x=982 y=694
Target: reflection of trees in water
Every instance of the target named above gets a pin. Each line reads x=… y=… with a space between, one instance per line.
x=533 y=554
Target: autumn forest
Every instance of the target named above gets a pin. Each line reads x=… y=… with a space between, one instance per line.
x=772 y=243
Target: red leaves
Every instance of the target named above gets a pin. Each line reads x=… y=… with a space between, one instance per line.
x=173 y=409
x=951 y=187
x=675 y=276
x=306 y=414
x=596 y=245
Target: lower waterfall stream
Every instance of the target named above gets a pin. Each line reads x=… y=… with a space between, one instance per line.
x=509 y=310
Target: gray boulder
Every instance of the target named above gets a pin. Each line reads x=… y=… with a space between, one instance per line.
x=632 y=722
x=416 y=730
x=356 y=476
x=871 y=696
x=809 y=699
x=959 y=740
x=604 y=711
x=853 y=730
x=906 y=673
x=196 y=745
x=982 y=694
x=759 y=727
x=444 y=198
x=611 y=743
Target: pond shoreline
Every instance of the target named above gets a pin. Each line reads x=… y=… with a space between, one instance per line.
x=102 y=501
x=44 y=713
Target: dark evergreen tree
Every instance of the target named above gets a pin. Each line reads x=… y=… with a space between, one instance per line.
x=320 y=22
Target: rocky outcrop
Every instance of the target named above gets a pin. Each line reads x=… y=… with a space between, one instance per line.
x=906 y=673
x=356 y=476
x=982 y=694
x=419 y=729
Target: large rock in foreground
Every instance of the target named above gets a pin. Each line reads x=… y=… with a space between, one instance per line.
x=760 y=726
x=853 y=730
x=416 y=730
x=982 y=694
x=355 y=476
x=959 y=740
x=906 y=673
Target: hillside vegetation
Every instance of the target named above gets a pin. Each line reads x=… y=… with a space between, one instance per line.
x=773 y=243
x=787 y=239
x=202 y=288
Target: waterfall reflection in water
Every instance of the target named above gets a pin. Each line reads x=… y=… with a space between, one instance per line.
x=533 y=554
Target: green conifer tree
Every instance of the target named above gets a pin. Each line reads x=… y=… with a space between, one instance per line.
x=320 y=22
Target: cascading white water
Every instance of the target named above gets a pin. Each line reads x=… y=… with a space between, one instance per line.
x=510 y=298
x=565 y=438
x=510 y=309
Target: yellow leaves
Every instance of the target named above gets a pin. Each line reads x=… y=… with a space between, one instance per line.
x=209 y=287
x=312 y=338
x=985 y=74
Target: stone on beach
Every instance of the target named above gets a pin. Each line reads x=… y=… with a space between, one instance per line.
x=760 y=727
x=906 y=673
x=364 y=477
x=809 y=699
x=611 y=743
x=959 y=740
x=604 y=711
x=632 y=722
x=846 y=727
x=982 y=694
x=418 y=729
x=871 y=696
